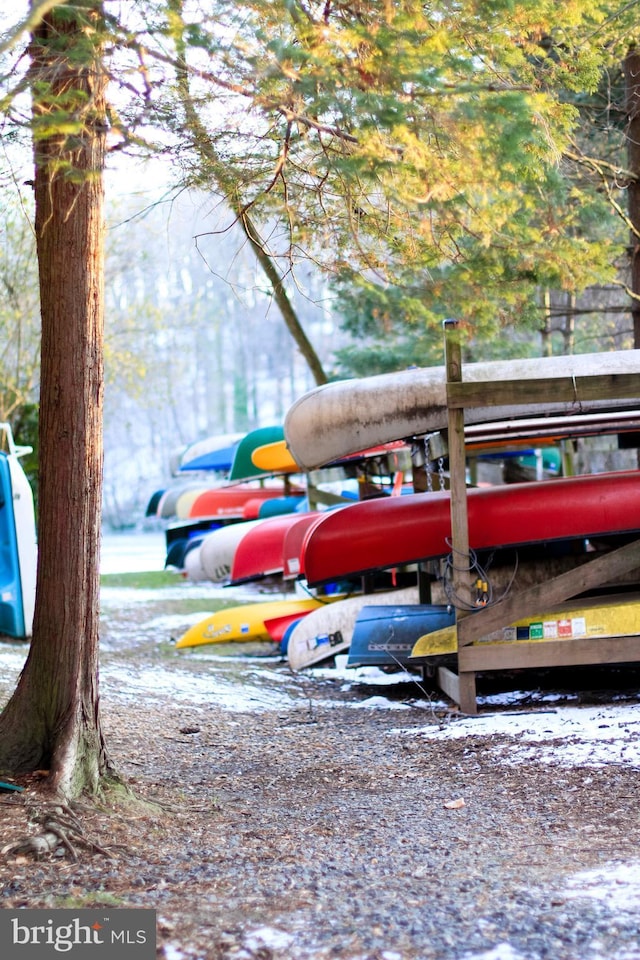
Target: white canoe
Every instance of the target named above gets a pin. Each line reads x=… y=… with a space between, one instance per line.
x=193 y=569
x=341 y=418
x=307 y=644
x=218 y=548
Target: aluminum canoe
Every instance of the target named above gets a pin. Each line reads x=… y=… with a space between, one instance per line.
x=337 y=419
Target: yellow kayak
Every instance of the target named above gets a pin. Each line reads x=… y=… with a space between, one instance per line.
x=275 y=458
x=573 y=620
x=246 y=622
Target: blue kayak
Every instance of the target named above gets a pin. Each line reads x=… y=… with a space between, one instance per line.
x=384 y=636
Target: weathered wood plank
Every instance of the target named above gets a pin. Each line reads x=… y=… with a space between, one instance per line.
x=603 y=569
x=521 y=655
x=461 y=688
x=457 y=476
x=610 y=386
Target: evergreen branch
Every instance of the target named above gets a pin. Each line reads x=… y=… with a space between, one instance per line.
x=242 y=90
x=282 y=159
x=602 y=167
x=627 y=289
x=610 y=19
x=605 y=170
x=180 y=64
x=295 y=117
x=464 y=89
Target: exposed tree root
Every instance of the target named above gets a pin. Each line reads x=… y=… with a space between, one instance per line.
x=59 y=827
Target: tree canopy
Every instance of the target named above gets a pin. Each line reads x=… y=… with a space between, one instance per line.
x=431 y=157
x=439 y=159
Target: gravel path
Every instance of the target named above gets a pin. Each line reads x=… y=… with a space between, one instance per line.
x=335 y=829
x=329 y=829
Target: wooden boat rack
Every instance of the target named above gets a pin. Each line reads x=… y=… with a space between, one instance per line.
x=473 y=658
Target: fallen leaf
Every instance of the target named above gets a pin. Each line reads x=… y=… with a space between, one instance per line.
x=454 y=804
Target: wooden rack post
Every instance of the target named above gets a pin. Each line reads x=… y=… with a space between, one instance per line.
x=460 y=687
x=604 y=569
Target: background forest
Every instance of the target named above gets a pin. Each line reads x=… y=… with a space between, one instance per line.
x=193 y=343
x=399 y=163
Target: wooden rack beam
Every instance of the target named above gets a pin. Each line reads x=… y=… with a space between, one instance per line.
x=501 y=393
x=603 y=569
x=474 y=657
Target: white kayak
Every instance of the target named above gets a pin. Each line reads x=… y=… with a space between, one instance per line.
x=327 y=630
x=218 y=548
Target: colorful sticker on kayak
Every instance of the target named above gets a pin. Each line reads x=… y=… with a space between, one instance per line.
x=563 y=628
x=211 y=633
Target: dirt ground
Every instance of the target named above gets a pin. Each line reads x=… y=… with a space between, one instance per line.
x=311 y=820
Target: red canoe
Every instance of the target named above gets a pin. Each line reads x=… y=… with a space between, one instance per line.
x=394 y=531
x=230 y=501
x=260 y=552
x=293 y=541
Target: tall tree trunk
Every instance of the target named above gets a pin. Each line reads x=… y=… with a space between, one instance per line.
x=52 y=721
x=632 y=110
x=569 y=329
x=202 y=143
x=546 y=346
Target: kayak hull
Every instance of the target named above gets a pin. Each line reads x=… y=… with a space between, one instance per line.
x=582 y=619
x=327 y=631
x=218 y=549
x=242 y=623
x=395 y=531
x=384 y=636
x=260 y=552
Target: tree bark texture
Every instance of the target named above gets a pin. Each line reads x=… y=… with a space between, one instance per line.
x=52 y=721
x=632 y=110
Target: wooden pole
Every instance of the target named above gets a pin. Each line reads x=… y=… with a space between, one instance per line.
x=457 y=475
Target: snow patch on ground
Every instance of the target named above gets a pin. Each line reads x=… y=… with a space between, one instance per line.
x=156 y=683
x=379 y=703
x=266 y=938
x=616 y=884
x=564 y=735
x=503 y=951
